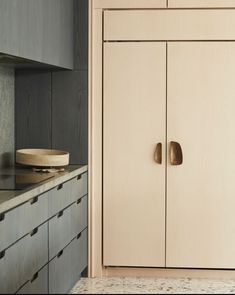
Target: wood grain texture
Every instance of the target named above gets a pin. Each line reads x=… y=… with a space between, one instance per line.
x=22 y=260
x=39 y=285
x=200 y=192
x=70 y=114
x=7 y=126
x=59 y=232
x=215 y=24
x=133 y=183
x=33 y=109
x=129 y=3
x=21 y=220
x=81 y=34
x=200 y=3
x=60 y=272
x=38 y=30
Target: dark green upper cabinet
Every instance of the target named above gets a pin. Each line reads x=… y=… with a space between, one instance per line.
x=38 y=30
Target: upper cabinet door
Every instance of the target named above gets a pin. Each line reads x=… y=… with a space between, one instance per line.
x=200 y=3
x=200 y=192
x=39 y=30
x=134 y=116
x=129 y=4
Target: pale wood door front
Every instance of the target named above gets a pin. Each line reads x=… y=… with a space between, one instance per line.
x=134 y=121
x=201 y=191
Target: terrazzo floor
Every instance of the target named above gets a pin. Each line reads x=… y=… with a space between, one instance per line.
x=153 y=286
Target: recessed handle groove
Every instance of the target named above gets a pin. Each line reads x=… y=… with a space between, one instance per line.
x=34 y=200
x=34 y=232
x=60 y=253
x=2 y=217
x=34 y=277
x=2 y=254
x=61 y=213
x=79 y=201
x=60 y=186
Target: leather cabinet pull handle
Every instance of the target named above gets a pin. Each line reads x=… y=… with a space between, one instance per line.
x=176 y=154
x=158 y=153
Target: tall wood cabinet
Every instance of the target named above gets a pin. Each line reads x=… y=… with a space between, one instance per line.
x=168 y=138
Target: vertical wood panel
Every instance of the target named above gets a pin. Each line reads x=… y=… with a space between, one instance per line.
x=33 y=109
x=200 y=192
x=70 y=114
x=81 y=34
x=133 y=183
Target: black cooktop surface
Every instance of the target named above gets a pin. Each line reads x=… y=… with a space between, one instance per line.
x=21 y=181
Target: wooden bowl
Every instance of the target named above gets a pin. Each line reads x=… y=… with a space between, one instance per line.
x=42 y=157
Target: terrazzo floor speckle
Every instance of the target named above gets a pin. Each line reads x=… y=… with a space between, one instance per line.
x=153 y=286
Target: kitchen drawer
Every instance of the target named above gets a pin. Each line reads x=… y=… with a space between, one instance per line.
x=20 y=221
x=66 y=267
x=66 y=225
x=79 y=255
x=60 y=197
x=172 y=24
x=79 y=186
x=59 y=232
x=19 y=262
x=79 y=216
x=38 y=284
x=60 y=272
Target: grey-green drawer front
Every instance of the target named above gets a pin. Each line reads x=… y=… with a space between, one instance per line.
x=38 y=284
x=79 y=253
x=66 y=267
x=19 y=262
x=60 y=272
x=59 y=232
x=21 y=220
x=66 y=225
x=79 y=216
x=59 y=198
x=79 y=186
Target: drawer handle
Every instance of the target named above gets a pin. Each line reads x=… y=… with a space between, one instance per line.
x=79 y=201
x=60 y=253
x=2 y=217
x=79 y=236
x=2 y=254
x=34 y=200
x=60 y=187
x=61 y=213
x=34 y=277
x=33 y=232
x=79 y=176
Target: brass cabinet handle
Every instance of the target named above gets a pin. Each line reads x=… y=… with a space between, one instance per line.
x=176 y=155
x=158 y=153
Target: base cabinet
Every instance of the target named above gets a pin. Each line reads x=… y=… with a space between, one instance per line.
x=49 y=258
x=23 y=259
x=38 y=284
x=67 y=265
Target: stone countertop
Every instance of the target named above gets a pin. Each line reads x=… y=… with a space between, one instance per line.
x=10 y=199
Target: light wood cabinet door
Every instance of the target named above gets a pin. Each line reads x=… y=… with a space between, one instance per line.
x=134 y=116
x=200 y=192
x=201 y=3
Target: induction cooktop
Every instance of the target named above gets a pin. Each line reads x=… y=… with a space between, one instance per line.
x=22 y=181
